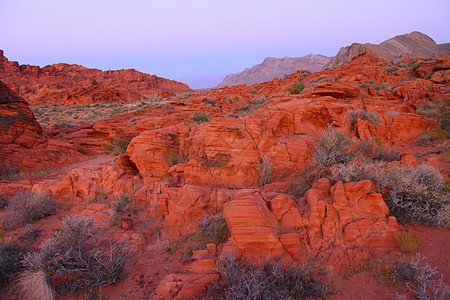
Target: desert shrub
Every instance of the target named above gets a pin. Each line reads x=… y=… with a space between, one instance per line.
x=124 y=203
x=3 y=201
x=296 y=88
x=416 y=64
x=418 y=276
x=172 y=158
x=332 y=148
x=122 y=145
x=72 y=253
x=210 y=231
x=305 y=180
x=200 y=118
x=264 y=168
x=258 y=101
x=245 y=108
x=269 y=281
x=11 y=260
x=417 y=194
x=409 y=242
x=107 y=147
x=391 y=69
x=32 y=206
x=413 y=194
x=376 y=152
x=7 y=172
x=354 y=115
x=428 y=137
x=231 y=115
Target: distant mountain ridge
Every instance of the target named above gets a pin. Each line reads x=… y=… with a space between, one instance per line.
x=410 y=45
x=275 y=67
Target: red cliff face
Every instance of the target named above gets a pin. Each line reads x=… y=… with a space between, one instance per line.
x=73 y=84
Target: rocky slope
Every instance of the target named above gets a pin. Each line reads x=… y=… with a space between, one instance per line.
x=275 y=67
x=411 y=45
x=197 y=159
x=73 y=84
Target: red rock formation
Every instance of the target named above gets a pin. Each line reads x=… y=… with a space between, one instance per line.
x=73 y=84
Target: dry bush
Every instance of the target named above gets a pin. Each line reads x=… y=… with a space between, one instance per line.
x=372 y=117
x=7 y=172
x=332 y=148
x=200 y=118
x=264 y=168
x=210 y=231
x=11 y=260
x=413 y=194
x=3 y=202
x=409 y=242
x=305 y=180
x=121 y=146
x=376 y=152
x=72 y=253
x=269 y=281
x=32 y=206
x=418 y=276
x=124 y=202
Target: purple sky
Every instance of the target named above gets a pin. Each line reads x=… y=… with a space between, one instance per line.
x=179 y=38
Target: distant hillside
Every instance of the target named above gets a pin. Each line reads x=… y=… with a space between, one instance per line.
x=411 y=45
x=275 y=67
x=74 y=84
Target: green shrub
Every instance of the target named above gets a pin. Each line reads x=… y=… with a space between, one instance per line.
x=372 y=117
x=332 y=148
x=200 y=118
x=416 y=64
x=269 y=281
x=31 y=206
x=72 y=253
x=245 y=108
x=172 y=158
x=122 y=145
x=231 y=115
x=107 y=147
x=296 y=88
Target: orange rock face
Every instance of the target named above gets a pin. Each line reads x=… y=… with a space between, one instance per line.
x=339 y=225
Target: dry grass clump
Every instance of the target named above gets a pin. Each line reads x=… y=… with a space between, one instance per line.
x=71 y=262
x=7 y=172
x=409 y=242
x=269 y=281
x=32 y=206
x=413 y=194
x=332 y=148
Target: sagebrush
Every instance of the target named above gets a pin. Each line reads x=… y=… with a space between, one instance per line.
x=32 y=206
x=332 y=148
x=271 y=280
x=72 y=253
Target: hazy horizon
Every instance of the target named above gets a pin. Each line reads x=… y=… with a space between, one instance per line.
x=178 y=39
